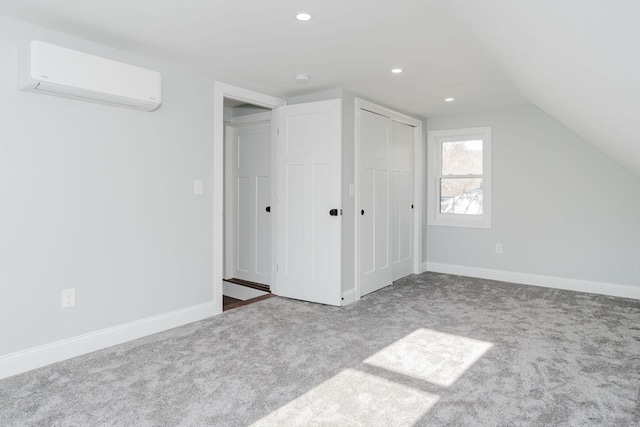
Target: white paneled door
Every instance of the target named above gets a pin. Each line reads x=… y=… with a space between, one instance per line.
x=401 y=200
x=309 y=221
x=375 y=180
x=386 y=201
x=250 y=145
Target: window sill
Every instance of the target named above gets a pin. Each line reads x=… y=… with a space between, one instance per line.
x=449 y=221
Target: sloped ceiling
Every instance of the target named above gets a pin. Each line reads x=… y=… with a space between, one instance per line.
x=579 y=61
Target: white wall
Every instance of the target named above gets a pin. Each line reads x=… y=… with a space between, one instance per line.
x=100 y=199
x=561 y=208
x=348 y=201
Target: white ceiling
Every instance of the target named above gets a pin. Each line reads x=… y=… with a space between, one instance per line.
x=577 y=60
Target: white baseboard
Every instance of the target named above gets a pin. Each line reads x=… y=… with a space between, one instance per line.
x=423 y=267
x=348 y=297
x=612 y=289
x=36 y=357
x=243 y=293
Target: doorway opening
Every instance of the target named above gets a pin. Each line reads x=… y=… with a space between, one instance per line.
x=250 y=102
x=247 y=203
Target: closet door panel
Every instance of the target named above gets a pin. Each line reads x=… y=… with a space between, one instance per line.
x=375 y=182
x=402 y=230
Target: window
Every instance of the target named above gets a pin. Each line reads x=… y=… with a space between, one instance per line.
x=459 y=177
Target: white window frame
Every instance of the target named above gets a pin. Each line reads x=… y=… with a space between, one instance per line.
x=435 y=139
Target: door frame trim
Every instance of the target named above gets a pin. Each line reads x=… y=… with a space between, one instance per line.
x=250 y=119
x=418 y=171
x=222 y=91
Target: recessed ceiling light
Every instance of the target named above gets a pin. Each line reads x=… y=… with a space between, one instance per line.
x=303 y=17
x=396 y=70
x=448 y=99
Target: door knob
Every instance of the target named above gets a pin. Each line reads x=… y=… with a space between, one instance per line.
x=362 y=212
x=268 y=209
x=333 y=212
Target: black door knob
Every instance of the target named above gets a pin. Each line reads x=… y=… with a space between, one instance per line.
x=333 y=212
x=362 y=212
x=268 y=209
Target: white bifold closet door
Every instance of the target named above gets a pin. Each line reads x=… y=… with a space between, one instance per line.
x=375 y=183
x=251 y=193
x=401 y=200
x=386 y=201
x=309 y=221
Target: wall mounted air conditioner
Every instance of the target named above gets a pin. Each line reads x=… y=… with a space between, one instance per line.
x=55 y=70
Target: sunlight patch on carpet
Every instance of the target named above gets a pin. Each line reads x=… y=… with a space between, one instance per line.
x=353 y=398
x=432 y=356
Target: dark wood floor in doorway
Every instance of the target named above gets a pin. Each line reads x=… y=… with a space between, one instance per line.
x=229 y=303
x=228 y=300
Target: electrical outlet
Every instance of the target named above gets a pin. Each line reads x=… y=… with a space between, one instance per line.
x=68 y=298
x=498 y=248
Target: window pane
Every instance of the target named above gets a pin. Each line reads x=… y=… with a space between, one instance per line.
x=461 y=196
x=462 y=158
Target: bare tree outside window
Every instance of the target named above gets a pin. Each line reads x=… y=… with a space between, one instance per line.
x=461 y=181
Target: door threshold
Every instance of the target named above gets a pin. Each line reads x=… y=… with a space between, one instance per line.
x=248 y=284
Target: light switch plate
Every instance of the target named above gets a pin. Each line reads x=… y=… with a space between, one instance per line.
x=197 y=186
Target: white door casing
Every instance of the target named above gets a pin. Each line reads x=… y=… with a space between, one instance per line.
x=248 y=226
x=308 y=249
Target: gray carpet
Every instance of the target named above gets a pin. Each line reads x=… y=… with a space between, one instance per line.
x=433 y=349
